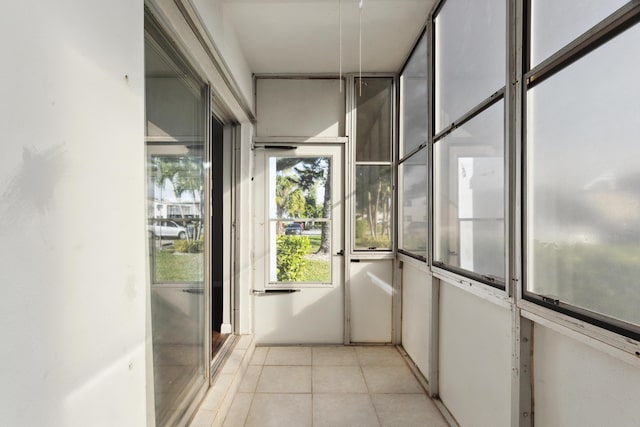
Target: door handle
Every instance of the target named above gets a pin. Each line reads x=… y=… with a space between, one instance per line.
x=341 y=252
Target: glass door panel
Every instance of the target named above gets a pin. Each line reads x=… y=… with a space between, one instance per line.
x=176 y=201
x=299 y=242
x=300 y=219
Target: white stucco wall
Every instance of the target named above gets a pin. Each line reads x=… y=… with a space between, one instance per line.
x=416 y=315
x=245 y=261
x=72 y=200
x=370 y=301
x=578 y=385
x=300 y=107
x=475 y=358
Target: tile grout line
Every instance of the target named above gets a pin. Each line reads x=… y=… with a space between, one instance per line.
x=366 y=384
x=360 y=359
x=311 y=373
x=255 y=389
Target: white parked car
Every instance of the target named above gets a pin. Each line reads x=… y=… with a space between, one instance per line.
x=167 y=229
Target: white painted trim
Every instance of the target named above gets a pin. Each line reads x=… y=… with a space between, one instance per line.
x=493 y=295
x=611 y=343
x=445 y=412
x=195 y=21
x=434 y=340
x=261 y=140
x=420 y=265
x=372 y=255
x=396 y=303
x=298 y=76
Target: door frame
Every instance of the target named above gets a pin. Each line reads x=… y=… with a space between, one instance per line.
x=263 y=148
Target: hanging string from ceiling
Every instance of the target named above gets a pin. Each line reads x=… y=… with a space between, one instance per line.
x=340 y=19
x=360 y=48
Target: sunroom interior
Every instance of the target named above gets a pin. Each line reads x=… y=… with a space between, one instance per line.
x=455 y=180
x=409 y=187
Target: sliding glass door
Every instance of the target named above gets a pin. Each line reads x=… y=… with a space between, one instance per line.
x=178 y=234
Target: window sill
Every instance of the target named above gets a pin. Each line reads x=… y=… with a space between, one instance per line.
x=611 y=343
x=420 y=265
x=479 y=289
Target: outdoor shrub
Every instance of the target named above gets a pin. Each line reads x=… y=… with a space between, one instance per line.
x=189 y=246
x=290 y=260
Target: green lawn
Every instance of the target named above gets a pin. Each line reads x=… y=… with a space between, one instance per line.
x=181 y=267
x=317 y=271
x=314 y=241
x=178 y=267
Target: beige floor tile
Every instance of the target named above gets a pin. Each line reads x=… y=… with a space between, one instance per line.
x=250 y=379
x=280 y=410
x=238 y=411
x=285 y=379
x=343 y=410
x=334 y=356
x=393 y=379
x=288 y=356
x=259 y=354
x=352 y=386
x=407 y=410
x=338 y=379
x=379 y=356
x=203 y=418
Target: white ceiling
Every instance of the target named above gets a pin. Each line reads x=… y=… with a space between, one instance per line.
x=302 y=36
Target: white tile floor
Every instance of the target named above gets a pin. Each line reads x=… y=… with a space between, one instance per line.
x=330 y=386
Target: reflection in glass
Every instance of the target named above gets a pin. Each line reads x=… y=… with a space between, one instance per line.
x=175 y=203
x=176 y=212
x=583 y=202
x=469 y=195
x=413 y=84
x=373 y=119
x=413 y=210
x=469 y=56
x=374 y=215
x=555 y=24
x=300 y=219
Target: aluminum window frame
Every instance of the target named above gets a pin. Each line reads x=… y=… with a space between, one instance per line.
x=404 y=156
x=352 y=89
x=607 y=29
x=435 y=137
x=400 y=204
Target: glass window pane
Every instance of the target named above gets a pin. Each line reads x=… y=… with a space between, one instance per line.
x=175 y=208
x=300 y=226
x=299 y=187
x=414 y=99
x=469 y=56
x=298 y=257
x=584 y=181
x=469 y=195
x=374 y=214
x=556 y=23
x=373 y=119
x=413 y=209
